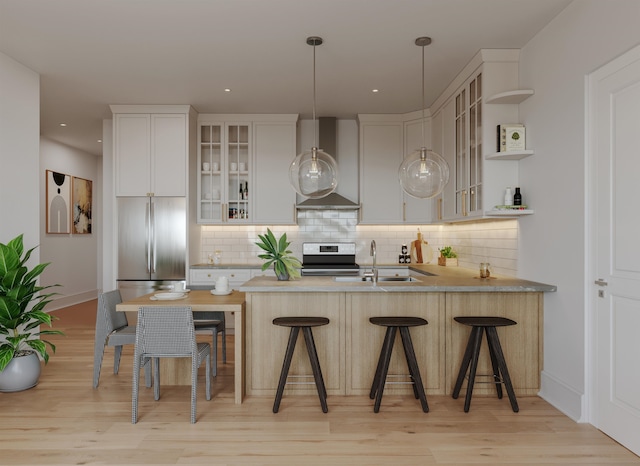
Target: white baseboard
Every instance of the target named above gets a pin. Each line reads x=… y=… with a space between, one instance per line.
x=561 y=396
x=70 y=300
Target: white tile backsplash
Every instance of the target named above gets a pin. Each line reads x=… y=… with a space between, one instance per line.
x=488 y=241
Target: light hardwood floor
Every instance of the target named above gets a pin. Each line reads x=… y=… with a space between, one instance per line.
x=65 y=421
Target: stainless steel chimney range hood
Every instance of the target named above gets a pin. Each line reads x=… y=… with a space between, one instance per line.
x=333 y=201
x=327 y=142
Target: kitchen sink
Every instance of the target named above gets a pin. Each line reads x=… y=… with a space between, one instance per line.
x=380 y=279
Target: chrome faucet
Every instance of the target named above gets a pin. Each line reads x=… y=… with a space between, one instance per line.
x=374 y=270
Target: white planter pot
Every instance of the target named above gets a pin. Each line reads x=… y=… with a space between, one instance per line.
x=21 y=373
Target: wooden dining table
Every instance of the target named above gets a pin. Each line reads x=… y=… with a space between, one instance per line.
x=177 y=371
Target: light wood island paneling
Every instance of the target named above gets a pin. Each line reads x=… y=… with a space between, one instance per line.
x=364 y=340
x=350 y=345
x=266 y=343
x=521 y=343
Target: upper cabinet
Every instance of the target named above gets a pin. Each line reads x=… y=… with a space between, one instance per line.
x=483 y=96
x=417 y=133
x=438 y=140
x=274 y=150
x=467 y=173
x=224 y=181
x=384 y=141
x=151 y=148
x=381 y=149
x=243 y=168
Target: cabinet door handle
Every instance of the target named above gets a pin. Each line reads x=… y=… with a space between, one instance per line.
x=440 y=209
x=601 y=282
x=463 y=198
x=404 y=211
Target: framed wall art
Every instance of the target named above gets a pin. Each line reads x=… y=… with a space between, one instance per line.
x=58 y=202
x=81 y=205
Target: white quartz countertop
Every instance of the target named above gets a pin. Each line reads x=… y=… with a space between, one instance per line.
x=444 y=279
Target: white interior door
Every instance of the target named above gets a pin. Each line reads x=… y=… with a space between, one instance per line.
x=614 y=118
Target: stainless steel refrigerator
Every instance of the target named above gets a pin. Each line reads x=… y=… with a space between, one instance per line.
x=152 y=244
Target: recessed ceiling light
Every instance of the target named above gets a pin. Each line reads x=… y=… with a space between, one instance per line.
x=227 y=90
x=99 y=140
x=374 y=90
x=63 y=124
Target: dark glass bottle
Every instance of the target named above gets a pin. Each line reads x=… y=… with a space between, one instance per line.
x=246 y=191
x=241 y=194
x=517 y=197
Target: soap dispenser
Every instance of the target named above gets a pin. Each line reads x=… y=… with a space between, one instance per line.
x=508 y=197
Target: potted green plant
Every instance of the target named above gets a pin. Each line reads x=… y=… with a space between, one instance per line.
x=21 y=315
x=285 y=265
x=448 y=257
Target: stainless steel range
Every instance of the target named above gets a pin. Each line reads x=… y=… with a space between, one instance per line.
x=329 y=259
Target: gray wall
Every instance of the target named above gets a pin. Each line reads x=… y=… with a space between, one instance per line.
x=74 y=258
x=19 y=161
x=585 y=36
x=23 y=161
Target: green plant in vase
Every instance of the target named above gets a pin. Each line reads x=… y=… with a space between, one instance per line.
x=448 y=252
x=276 y=253
x=448 y=257
x=22 y=306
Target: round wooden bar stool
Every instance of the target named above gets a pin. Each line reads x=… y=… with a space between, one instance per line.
x=394 y=324
x=304 y=323
x=472 y=352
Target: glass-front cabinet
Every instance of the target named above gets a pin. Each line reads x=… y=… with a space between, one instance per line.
x=488 y=96
x=237 y=184
x=224 y=181
x=243 y=168
x=468 y=137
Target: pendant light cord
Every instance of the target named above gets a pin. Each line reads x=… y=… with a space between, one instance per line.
x=423 y=42
x=423 y=101
x=315 y=129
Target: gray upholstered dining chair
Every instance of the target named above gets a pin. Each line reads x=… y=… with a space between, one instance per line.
x=168 y=332
x=112 y=329
x=212 y=322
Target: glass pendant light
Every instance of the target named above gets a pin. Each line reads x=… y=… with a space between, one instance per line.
x=314 y=173
x=423 y=173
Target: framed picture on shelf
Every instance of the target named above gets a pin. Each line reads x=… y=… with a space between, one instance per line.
x=58 y=202
x=81 y=206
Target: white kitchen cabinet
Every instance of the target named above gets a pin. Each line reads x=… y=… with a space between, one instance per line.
x=208 y=276
x=468 y=149
x=224 y=162
x=437 y=145
x=384 y=141
x=151 y=146
x=243 y=163
x=417 y=210
x=274 y=150
x=381 y=152
x=486 y=96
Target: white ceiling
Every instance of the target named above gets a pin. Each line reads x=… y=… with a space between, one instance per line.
x=92 y=53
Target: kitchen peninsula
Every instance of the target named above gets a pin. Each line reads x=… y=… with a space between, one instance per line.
x=348 y=347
